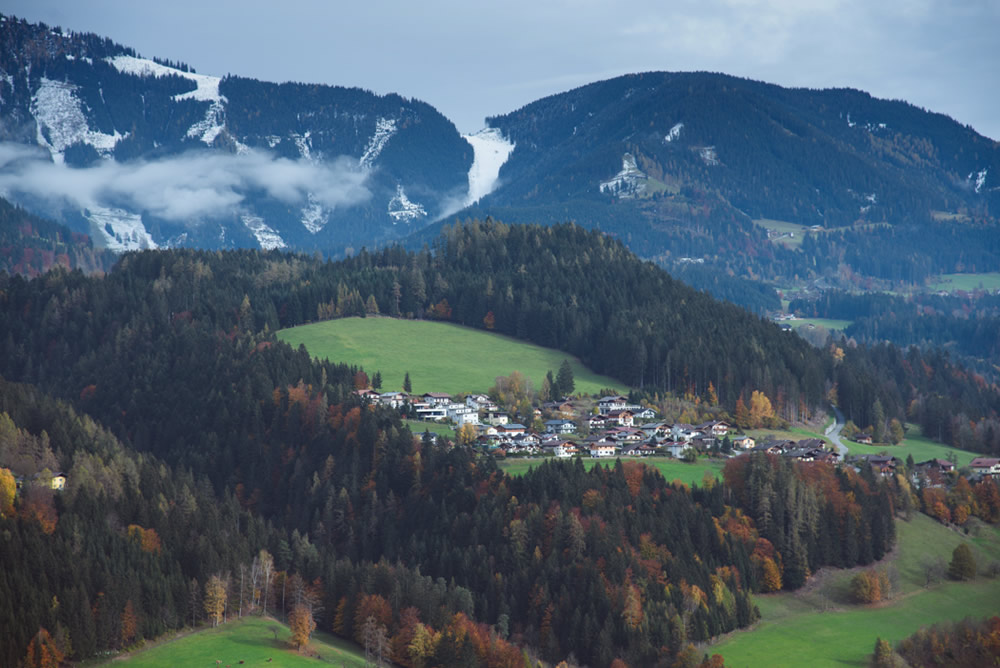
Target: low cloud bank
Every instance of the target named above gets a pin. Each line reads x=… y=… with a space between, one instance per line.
x=187 y=188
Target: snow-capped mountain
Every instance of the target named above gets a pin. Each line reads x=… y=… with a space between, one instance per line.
x=214 y=161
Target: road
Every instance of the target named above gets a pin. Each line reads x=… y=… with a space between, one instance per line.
x=833 y=433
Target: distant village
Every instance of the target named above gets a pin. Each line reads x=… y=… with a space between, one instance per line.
x=612 y=427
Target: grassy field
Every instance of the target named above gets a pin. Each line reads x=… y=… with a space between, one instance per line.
x=838 y=325
x=419 y=426
x=967 y=282
x=784 y=227
x=250 y=642
x=915 y=444
x=816 y=627
x=672 y=469
x=438 y=356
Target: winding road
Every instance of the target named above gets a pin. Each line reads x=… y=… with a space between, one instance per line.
x=833 y=433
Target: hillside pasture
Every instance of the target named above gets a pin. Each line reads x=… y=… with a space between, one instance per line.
x=246 y=642
x=671 y=469
x=967 y=282
x=914 y=443
x=816 y=627
x=439 y=357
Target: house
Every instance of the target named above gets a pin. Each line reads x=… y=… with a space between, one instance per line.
x=624 y=418
x=986 y=466
x=511 y=428
x=626 y=434
x=58 y=481
x=371 y=395
x=600 y=449
x=657 y=429
x=863 y=438
x=717 y=428
x=563 y=409
x=559 y=427
x=942 y=465
x=561 y=448
x=884 y=465
x=427 y=412
x=778 y=447
x=597 y=422
x=743 y=443
x=643 y=413
x=683 y=432
x=612 y=403
x=436 y=398
x=486 y=430
x=480 y=402
x=391 y=399
x=497 y=419
x=673 y=448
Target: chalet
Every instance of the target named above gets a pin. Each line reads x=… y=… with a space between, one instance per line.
x=602 y=450
x=812 y=444
x=863 y=438
x=623 y=417
x=391 y=399
x=626 y=434
x=480 y=402
x=611 y=403
x=561 y=448
x=461 y=413
x=486 y=430
x=703 y=442
x=511 y=428
x=559 y=427
x=526 y=440
x=371 y=395
x=436 y=398
x=683 y=432
x=884 y=465
x=743 y=443
x=643 y=413
x=638 y=450
x=806 y=454
x=775 y=447
x=597 y=422
x=655 y=429
x=673 y=448
x=986 y=466
x=562 y=408
x=942 y=465
x=497 y=419
x=717 y=428
x=58 y=481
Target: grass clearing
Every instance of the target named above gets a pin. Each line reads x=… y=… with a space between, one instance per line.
x=250 y=641
x=419 y=426
x=671 y=469
x=967 y=282
x=439 y=357
x=916 y=444
x=808 y=629
x=784 y=232
x=838 y=325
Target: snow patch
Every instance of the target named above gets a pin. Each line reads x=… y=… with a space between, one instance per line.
x=490 y=151
x=674 y=133
x=708 y=155
x=266 y=236
x=121 y=230
x=60 y=121
x=403 y=210
x=980 y=178
x=304 y=144
x=871 y=197
x=385 y=128
x=630 y=182
x=207 y=90
x=314 y=216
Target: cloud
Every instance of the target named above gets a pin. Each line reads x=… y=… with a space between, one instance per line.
x=187 y=188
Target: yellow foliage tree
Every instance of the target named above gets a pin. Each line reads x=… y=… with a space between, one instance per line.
x=8 y=489
x=43 y=652
x=760 y=409
x=302 y=624
x=772 y=577
x=466 y=434
x=215 y=599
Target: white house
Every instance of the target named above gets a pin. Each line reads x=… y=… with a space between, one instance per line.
x=986 y=466
x=600 y=449
x=612 y=403
x=559 y=427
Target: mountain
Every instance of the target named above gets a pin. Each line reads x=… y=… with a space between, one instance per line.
x=212 y=161
x=678 y=165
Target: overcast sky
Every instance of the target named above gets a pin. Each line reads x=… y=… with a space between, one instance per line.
x=472 y=60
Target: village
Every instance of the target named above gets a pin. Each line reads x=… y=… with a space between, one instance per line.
x=611 y=427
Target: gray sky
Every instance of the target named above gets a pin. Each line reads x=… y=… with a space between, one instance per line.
x=471 y=59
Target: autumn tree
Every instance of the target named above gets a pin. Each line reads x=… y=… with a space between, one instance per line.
x=884 y=657
x=490 y=320
x=302 y=624
x=130 y=624
x=8 y=488
x=215 y=599
x=761 y=411
x=43 y=652
x=466 y=434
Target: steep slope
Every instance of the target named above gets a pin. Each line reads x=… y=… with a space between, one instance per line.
x=243 y=162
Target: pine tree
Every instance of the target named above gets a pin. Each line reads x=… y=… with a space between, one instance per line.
x=564 y=380
x=407 y=387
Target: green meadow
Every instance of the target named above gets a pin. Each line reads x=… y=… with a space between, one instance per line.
x=817 y=626
x=250 y=641
x=914 y=443
x=439 y=357
x=671 y=469
x=967 y=282
x=838 y=325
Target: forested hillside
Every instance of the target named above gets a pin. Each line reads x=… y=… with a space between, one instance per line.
x=30 y=245
x=186 y=420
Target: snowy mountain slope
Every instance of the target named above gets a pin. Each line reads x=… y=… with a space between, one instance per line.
x=491 y=152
